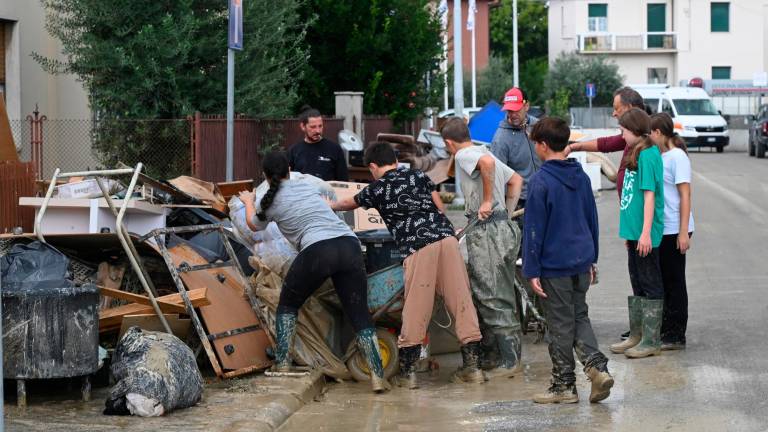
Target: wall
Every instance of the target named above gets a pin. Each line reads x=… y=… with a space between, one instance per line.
x=482 y=36
x=27 y=84
x=634 y=67
x=743 y=47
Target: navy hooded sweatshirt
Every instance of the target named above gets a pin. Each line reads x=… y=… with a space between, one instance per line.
x=560 y=232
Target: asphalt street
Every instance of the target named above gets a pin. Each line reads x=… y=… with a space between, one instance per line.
x=719 y=383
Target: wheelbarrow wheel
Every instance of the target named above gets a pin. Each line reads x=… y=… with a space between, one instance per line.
x=358 y=366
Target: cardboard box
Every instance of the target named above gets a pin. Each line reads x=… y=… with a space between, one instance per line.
x=361 y=219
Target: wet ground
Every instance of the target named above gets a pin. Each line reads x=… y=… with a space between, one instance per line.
x=720 y=383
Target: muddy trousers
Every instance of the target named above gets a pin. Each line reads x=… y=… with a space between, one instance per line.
x=492 y=248
x=569 y=328
x=340 y=259
x=675 y=321
x=437 y=269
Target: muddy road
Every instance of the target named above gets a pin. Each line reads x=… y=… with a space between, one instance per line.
x=720 y=383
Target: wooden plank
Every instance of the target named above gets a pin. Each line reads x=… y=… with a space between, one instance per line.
x=229 y=309
x=110 y=318
x=179 y=326
x=166 y=307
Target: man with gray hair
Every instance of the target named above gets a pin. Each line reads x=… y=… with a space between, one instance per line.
x=624 y=99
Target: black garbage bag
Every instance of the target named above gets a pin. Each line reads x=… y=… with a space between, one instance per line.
x=155 y=372
x=34 y=265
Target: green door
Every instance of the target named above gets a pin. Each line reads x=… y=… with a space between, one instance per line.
x=657 y=22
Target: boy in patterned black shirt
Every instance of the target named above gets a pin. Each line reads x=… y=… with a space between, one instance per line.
x=412 y=210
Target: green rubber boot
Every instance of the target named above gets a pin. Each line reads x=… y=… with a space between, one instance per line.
x=635 y=306
x=368 y=343
x=651 y=341
x=285 y=330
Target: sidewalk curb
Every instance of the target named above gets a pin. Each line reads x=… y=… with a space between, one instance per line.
x=269 y=417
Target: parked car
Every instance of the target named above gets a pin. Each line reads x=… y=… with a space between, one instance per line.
x=758 y=133
x=697 y=121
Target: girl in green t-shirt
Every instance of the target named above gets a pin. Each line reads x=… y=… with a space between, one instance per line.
x=641 y=224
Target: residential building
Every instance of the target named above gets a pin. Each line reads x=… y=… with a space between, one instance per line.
x=23 y=83
x=665 y=41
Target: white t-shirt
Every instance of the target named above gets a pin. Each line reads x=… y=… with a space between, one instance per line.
x=677 y=169
x=472 y=182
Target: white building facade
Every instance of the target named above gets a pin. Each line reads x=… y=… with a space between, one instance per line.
x=23 y=83
x=665 y=41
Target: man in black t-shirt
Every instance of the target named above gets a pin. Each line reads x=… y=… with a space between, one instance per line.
x=315 y=154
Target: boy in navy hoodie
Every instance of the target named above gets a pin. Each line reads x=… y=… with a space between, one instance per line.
x=560 y=245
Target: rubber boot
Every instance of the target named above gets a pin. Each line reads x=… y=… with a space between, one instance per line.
x=368 y=343
x=635 y=306
x=510 y=348
x=651 y=342
x=408 y=357
x=469 y=372
x=285 y=329
x=558 y=393
x=601 y=380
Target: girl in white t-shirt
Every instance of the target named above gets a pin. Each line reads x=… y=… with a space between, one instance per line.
x=678 y=229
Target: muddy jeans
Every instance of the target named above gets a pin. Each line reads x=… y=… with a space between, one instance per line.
x=568 y=327
x=437 y=269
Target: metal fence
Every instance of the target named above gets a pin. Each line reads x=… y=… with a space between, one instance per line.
x=594 y=118
x=163 y=146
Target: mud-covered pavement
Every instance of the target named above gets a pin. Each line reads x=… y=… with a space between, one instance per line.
x=720 y=383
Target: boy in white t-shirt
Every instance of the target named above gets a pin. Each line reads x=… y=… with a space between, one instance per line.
x=678 y=229
x=492 y=247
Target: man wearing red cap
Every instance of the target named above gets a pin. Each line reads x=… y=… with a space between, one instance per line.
x=511 y=144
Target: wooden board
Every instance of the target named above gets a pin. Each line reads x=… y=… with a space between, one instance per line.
x=229 y=310
x=142 y=300
x=179 y=326
x=7 y=145
x=110 y=319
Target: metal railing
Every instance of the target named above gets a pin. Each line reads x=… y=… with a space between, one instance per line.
x=635 y=42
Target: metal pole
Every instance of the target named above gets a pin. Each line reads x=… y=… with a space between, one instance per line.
x=515 y=61
x=474 y=68
x=230 y=113
x=458 y=75
x=445 y=67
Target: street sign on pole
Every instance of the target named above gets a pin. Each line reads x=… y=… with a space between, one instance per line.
x=235 y=39
x=591 y=93
x=234 y=42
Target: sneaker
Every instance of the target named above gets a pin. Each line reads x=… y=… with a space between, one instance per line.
x=408 y=381
x=503 y=372
x=625 y=335
x=558 y=394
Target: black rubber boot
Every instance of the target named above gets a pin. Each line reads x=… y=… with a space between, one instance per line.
x=408 y=358
x=285 y=330
x=469 y=372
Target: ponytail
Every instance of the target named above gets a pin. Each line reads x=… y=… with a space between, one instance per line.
x=664 y=124
x=275 y=167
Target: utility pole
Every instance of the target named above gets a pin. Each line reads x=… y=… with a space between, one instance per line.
x=515 y=61
x=458 y=76
x=235 y=42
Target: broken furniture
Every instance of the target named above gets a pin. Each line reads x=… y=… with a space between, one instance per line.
x=89 y=216
x=50 y=324
x=120 y=228
x=232 y=330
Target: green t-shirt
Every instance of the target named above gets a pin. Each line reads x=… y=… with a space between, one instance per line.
x=649 y=176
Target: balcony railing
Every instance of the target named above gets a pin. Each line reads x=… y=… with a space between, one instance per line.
x=614 y=42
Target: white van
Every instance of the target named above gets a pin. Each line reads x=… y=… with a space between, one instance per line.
x=696 y=119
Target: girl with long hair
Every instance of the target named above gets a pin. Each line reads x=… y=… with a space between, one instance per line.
x=678 y=229
x=327 y=249
x=641 y=224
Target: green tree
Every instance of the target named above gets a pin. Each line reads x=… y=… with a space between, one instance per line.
x=384 y=48
x=572 y=72
x=165 y=59
x=532 y=42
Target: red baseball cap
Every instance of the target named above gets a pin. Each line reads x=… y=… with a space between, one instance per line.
x=513 y=100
